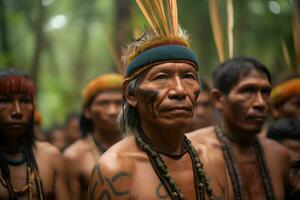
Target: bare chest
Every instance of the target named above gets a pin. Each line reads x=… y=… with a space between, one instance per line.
x=24 y=184
x=147 y=185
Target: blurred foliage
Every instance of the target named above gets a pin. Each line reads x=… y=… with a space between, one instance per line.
x=76 y=36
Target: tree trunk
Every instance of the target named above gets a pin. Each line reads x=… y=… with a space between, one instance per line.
x=122 y=28
x=8 y=56
x=39 y=43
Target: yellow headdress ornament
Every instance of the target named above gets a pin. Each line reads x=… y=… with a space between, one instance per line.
x=164 y=41
x=102 y=83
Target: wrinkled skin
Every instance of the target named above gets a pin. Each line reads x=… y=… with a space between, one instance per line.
x=165 y=101
x=16 y=112
x=203 y=114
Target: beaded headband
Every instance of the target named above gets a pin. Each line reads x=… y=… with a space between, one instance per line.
x=16 y=85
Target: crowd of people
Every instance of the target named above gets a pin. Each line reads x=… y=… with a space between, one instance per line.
x=160 y=131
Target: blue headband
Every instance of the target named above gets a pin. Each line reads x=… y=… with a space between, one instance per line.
x=161 y=54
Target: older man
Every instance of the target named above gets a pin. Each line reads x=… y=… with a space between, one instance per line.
x=157 y=161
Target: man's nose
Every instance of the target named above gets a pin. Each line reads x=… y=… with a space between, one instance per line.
x=113 y=109
x=178 y=91
x=260 y=102
x=16 y=110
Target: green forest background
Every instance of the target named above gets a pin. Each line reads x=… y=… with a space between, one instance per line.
x=62 y=44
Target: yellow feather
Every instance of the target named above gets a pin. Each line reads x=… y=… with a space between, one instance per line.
x=161 y=3
x=217 y=28
x=145 y=13
x=176 y=23
x=230 y=25
x=154 y=16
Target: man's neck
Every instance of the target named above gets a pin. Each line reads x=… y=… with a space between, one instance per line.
x=11 y=144
x=105 y=138
x=164 y=139
x=238 y=137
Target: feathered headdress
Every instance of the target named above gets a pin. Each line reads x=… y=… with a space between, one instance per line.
x=163 y=41
x=290 y=86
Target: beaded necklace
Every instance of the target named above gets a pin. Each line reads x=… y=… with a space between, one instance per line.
x=32 y=177
x=233 y=170
x=200 y=180
x=28 y=186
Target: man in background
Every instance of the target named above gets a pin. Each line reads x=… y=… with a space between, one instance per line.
x=102 y=100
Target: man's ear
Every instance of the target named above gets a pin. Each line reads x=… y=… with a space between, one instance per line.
x=130 y=97
x=87 y=113
x=218 y=98
x=275 y=113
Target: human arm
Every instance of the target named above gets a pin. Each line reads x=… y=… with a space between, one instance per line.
x=109 y=181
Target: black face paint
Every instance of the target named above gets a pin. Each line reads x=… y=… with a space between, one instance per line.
x=197 y=93
x=148 y=98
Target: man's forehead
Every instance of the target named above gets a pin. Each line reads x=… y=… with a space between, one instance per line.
x=109 y=94
x=172 y=67
x=252 y=77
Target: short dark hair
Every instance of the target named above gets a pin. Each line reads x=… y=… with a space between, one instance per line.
x=229 y=72
x=284 y=129
x=204 y=85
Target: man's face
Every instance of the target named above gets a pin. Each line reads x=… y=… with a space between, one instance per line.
x=16 y=111
x=245 y=108
x=203 y=111
x=290 y=108
x=167 y=94
x=105 y=109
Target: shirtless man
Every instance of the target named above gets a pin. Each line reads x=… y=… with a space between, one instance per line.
x=102 y=100
x=29 y=169
x=255 y=168
x=156 y=161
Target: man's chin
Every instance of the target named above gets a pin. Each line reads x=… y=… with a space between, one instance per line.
x=175 y=123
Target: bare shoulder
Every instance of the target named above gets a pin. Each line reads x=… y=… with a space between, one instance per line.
x=121 y=155
x=275 y=149
x=113 y=173
x=47 y=150
x=77 y=149
x=205 y=136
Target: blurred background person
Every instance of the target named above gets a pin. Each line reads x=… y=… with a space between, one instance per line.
x=102 y=100
x=56 y=136
x=287 y=132
x=204 y=112
x=285 y=98
x=71 y=128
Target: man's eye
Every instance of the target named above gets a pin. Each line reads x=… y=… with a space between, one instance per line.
x=190 y=76
x=5 y=99
x=26 y=99
x=160 y=77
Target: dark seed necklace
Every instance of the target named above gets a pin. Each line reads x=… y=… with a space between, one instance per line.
x=233 y=170
x=200 y=180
